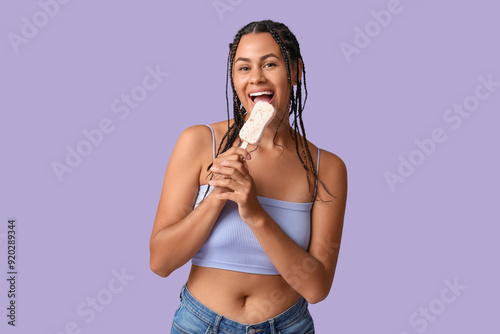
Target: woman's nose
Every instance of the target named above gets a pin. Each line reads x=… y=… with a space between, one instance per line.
x=257 y=76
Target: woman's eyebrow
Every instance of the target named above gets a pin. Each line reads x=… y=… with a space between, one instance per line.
x=261 y=58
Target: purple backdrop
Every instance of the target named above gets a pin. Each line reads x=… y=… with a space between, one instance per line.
x=95 y=94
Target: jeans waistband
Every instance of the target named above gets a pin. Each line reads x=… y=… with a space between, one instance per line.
x=282 y=320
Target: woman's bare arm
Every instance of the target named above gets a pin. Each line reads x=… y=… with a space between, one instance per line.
x=179 y=231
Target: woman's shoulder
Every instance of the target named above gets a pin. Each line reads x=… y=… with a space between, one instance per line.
x=332 y=159
x=194 y=136
x=198 y=139
x=328 y=158
x=220 y=128
x=329 y=161
x=195 y=143
x=332 y=173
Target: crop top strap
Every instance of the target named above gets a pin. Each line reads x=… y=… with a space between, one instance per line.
x=317 y=174
x=213 y=137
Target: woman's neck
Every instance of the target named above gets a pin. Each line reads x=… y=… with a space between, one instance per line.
x=277 y=133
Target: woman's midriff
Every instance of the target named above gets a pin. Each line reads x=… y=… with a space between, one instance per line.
x=246 y=298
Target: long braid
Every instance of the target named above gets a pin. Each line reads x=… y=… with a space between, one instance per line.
x=298 y=134
x=238 y=111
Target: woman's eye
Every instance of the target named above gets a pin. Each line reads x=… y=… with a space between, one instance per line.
x=270 y=65
x=244 y=68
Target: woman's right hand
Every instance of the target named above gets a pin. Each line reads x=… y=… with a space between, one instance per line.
x=233 y=154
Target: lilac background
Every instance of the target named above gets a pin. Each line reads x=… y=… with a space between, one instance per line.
x=398 y=246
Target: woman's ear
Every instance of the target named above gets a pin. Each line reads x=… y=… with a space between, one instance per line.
x=294 y=71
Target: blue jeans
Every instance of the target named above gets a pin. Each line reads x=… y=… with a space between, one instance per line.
x=192 y=317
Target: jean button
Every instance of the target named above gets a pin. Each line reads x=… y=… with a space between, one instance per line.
x=252 y=331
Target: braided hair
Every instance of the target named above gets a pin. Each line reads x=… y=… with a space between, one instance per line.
x=290 y=51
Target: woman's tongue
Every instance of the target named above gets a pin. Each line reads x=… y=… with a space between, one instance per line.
x=263 y=97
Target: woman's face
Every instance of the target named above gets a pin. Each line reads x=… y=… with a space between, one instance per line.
x=259 y=72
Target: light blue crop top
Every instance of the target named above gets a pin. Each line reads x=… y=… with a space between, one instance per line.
x=232 y=245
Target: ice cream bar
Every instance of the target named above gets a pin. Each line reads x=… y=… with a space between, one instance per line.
x=253 y=130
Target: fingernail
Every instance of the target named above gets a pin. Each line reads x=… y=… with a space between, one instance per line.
x=249 y=157
x=213 y=168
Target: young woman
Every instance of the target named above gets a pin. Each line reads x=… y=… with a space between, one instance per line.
x=261 y=225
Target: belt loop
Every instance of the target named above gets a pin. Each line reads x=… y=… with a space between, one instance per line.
x=182 y=291
x=271 y=325
x=216 y=324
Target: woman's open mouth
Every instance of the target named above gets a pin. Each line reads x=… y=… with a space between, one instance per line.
x=265 y=95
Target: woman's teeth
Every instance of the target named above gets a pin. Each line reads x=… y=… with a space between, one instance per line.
x=253 y=96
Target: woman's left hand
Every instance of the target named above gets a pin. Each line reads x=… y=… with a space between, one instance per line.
x=235 y=176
